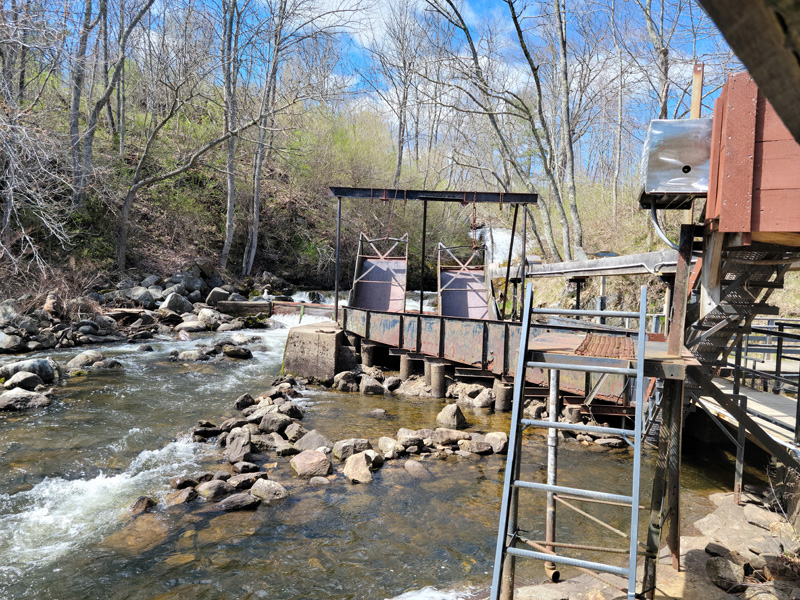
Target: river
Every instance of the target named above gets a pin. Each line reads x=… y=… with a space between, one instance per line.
x=69 y=472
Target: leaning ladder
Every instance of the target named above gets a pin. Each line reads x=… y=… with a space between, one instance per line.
x=508 y=532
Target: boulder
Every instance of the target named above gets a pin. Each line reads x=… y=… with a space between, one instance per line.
x=286 y=449
x=274 y=422
x=142 y=296
x=243 y=402
x=11 y=343
x=392 y=383
x=85 y=359
x=345 y=381
x=181 y=496
x=19 y=399
x=483 y=400
x=269 y=491
x=150 y=281
x=180 y=483
x=344 y=449
x=452 y=417
x=24 y=380
x=245 y=481
x=291 y=410
x=447 y=437
x=240 y=501
x=498 y=441
x=311 y=463
x=319 y=481
x=192 y=326
x=313 y=440
x=408 y=438
x=192 y=356
x=141 y=505
x=371 y=386
x=236 y=352
x=294 y=432
x=725 y=574
x=390 y=447
x=758 y=516
x=175 y=302
x=214 y=490
x=245 y=467
x=376 y=459
x=237 y=445
x=8 y=312
x=357 y=468
x=232 y=423
x=474 y=447
x=216 y=295
x=177 y=288
x=611 y=442
x=45 y=368
x=768 y=591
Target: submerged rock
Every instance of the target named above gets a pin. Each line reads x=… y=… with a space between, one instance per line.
x=240 y=501
x=417 y=469
x=85 y=359
x=180 y=496
x=142 y=504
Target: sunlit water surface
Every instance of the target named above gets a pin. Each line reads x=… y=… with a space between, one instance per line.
x=68 y=474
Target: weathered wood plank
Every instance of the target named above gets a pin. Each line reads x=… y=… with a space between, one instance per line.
x=736 y=191
x=713 y=205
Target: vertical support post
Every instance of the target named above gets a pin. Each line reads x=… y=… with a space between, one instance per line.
x=510 y=255
x=552 y=472
x=514 y=292
x=578 y=285
x=406 y=367
x=438 y=380
x=675 y=339
x=777 y=386
x=602 y=299
x=427 y=372
x=674 y=472
x=694 y=113
x=502 y=396
x=654 y=531
x=503 y=574
x=338 y=243
x=422 y=259
x=740 y=434
x=524 y=257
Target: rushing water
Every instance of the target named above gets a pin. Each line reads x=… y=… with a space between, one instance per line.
x=68 y=474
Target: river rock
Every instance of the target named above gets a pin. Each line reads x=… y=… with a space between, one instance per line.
x=214 y=490
x=758 y=516
x=770 y=590
x=232 y=423
x=392 y=383
x=345 y=381
x=217 y=295
x=286 y=449
x=448 y=437
x=725 y=574
x=611 y=442
x=294 y=432
x=243 y=401
x=142 y=296
x=390 y=447
x=417 y=469
x=474 y=447
x=237 y=445
x=376 y=459
x=180 y=483
x=192 y=326
x=483 y=400
x=181 y=496
x=291 y=410
x=311 y=463
x=452 y=417
x=344 y=449
x=498 y=441
x=408 y=438
x=357 y=468
x=20 y=399
x=269 y=491
x=142 y=505
x=8 y=312
x=274 y=422
x=45 y=368
x=85 y=359
x=245 y=467
x=245 y=481
x=313 y=440
x=11 y=343
x=24 y=380
x=319 y=481
x=240 y=501
x=371 y=386
x=176 y=302
x=236 y=352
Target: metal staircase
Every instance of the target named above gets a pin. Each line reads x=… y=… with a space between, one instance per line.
x=510 y=534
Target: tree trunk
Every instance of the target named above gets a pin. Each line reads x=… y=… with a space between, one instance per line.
x=78 y=75
x=229 y=56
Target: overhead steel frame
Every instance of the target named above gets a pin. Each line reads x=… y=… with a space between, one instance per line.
x=390 y=194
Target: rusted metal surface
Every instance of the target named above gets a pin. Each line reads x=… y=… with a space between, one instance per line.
x=385 y=329
x=463 y=290
x=379 y=282
x=607 y=346
x=463 y=342
x=430 y=333
x=411 y=333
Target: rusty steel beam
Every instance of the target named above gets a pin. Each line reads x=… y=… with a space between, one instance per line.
x=462 y=197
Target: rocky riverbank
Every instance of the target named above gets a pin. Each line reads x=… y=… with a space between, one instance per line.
x=134 y=310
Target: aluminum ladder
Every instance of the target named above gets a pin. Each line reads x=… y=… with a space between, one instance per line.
x=508 y=532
